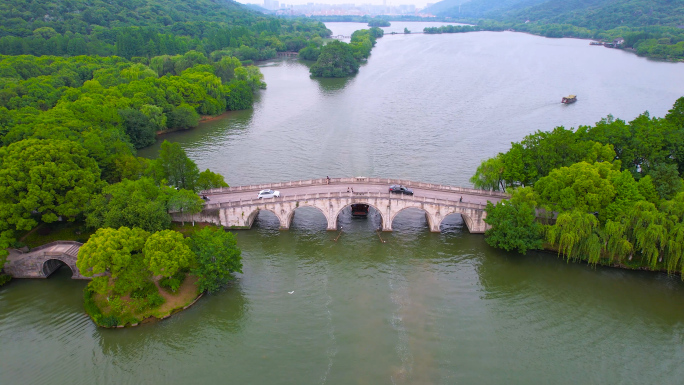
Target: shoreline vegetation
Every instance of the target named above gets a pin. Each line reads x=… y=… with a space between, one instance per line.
x=634 y=42
x=609 y=194
x=651 y=27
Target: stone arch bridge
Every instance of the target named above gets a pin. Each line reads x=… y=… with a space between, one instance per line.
x=237 y=207
x=44 y=260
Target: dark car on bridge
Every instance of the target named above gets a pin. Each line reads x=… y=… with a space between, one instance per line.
x=399 y=189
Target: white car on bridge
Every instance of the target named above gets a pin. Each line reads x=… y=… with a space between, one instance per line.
x=268 y=193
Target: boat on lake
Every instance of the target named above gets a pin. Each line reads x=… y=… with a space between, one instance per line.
x=569 y=99
x=359 y=210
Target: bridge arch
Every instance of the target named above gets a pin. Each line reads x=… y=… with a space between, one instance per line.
x=467 y=219
x=255 y=212
x=54 y=263
x=290 y=215
x=430 y=219
x=332 y=222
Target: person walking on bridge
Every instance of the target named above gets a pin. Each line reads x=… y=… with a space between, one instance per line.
x=327 y=180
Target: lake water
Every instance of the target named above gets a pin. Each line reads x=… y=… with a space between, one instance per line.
x=421 y=308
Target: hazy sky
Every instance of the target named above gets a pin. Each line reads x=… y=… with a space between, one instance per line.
x=417 y=3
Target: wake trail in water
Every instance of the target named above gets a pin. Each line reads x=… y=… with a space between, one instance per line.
x=331 y=352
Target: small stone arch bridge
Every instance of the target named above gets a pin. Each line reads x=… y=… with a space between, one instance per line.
x=237 y=207
x=44 y=260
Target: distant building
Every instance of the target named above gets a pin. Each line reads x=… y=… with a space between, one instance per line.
x=271 y=4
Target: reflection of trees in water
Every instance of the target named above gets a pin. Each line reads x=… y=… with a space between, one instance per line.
x=541 y=284
x=215 y=317
x=330 y=86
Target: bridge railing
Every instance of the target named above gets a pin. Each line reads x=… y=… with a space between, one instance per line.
x=47 y=245
x=356 y=180
x=334 y=195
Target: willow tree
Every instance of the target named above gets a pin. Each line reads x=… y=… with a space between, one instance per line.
x=489 y=175
x=575 y=234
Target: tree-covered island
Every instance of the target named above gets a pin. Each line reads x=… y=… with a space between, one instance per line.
x=379 y=22
x=339 y=59
x=609 y=194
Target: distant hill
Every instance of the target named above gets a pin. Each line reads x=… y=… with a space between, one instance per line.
x=476 y=8
x=148 y=28
x=21 y=18
x=592 y=14
x=603 y=14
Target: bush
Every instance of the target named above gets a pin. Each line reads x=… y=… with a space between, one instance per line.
x=4 y=279
x=155 y=300
x=144 y=291
x=183 y=117
x=173 y=283
x=90 y=307
x=109 y=321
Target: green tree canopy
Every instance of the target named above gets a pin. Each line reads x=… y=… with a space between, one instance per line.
x=51 y=177
x=139 y=203
x=140 y=130
x=166 y=252
x=108 y=254
x=582 y=186
x=208 y=180
x=217 y=257
x=175 y=167
x=513 y=226
x=335 y=61
x=185 y=202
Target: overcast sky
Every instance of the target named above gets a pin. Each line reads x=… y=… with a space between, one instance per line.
x=417 y=3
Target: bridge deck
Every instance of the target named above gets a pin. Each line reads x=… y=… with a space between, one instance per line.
x=340 y=185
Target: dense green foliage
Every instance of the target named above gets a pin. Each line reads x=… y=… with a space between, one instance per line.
x=148 y=28
x=175 y=168
x=109 y=106
x=217 y=257
x=140 y=203
x=174 y=282
x=649 y=27
x=378 y=22
x=310 y=52
x=52 y=178
x=207 y=180
x=166 y=253
x=113 y=258
x=513 y=226
x=615 y=190
x=338 y=59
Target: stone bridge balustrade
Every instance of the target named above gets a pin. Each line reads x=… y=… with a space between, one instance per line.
x=240 y=214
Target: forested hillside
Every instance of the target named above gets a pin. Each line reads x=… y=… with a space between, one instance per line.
x=592 y=14
x=476 y=8
x=649 y=27
x=148 y=28
x=603 y=14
